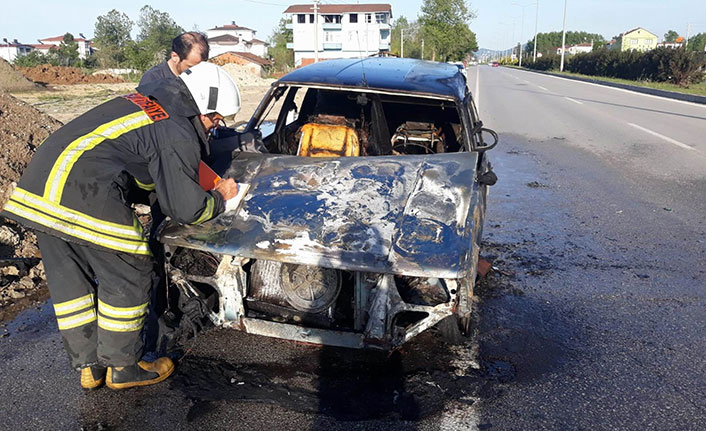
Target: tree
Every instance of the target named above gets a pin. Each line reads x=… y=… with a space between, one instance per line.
x=67 y=51
x=33 y=58
x=412 y=38
x=671 y=36
x=154 y=42
x=282 y=56
x=112 y=36
x=697 y=42
x=547 y=43
x=444 y=26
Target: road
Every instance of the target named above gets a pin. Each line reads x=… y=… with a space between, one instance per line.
x=594 y=318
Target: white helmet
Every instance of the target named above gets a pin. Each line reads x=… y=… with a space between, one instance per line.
x=212 y=88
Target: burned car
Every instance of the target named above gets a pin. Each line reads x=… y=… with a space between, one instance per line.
x=363 y=218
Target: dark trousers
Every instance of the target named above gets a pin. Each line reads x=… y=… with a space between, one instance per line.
x=100 y=300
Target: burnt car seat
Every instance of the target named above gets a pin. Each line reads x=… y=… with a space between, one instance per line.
x=328 y=140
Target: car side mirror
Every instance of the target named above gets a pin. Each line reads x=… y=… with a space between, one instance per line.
x=486 y=135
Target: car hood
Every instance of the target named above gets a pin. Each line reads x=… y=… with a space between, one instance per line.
x=407 y=215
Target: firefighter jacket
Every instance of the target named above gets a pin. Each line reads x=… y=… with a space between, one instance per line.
x=77 y=185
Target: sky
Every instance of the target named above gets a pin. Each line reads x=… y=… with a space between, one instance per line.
x=497 y=25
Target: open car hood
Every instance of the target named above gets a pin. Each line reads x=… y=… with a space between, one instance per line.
x=407 y=215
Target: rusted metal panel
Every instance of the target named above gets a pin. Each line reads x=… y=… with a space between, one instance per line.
x=408 y=215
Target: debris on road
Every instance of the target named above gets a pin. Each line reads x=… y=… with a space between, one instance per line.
x=484 y=267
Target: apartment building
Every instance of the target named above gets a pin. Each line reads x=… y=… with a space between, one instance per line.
x=344 y=31
x=234 y=38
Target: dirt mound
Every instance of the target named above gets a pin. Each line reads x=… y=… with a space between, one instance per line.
x=49 y=74
x=245 y=76
x=12 y=80
x=22 y=129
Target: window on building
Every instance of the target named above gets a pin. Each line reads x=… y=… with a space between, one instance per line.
x=368 y=18
x=301 y=18
x=633 y=42
x=353 y=18
x=332 y=19
x=381 y=18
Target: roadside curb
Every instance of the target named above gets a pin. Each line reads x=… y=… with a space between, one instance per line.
x=693 y=98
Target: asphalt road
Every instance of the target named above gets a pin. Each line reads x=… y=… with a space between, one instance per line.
x=594 y=318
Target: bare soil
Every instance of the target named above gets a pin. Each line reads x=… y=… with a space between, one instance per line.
x=49 y=74
x=22 y=129
x=12 y=80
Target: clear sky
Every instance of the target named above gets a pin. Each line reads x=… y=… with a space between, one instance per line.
x=495 y=24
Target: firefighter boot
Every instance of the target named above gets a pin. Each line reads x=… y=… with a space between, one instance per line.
x=141 y=374
x=92 y=377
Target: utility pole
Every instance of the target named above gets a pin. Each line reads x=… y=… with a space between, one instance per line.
x=536 y=20
x=402 y=43
x=563 y=39
x=316 y=31
x=522 y=31
x=422 y=49
x=686 y=44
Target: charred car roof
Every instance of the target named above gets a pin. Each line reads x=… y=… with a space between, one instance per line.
x=384 y=73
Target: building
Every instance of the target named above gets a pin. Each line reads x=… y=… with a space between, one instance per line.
x=636 y=39
x=234 y=38
x=254 y=63
x=673 y=45
x=9 y=51
x=344 y=30
x=84 y=45
x=576 y=49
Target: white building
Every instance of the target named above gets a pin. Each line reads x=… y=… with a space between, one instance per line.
x=234 y=38
x=84 y=45
x=577 y=49
x=9 y=51
x=344 y=30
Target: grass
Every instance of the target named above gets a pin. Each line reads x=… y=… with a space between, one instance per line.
x=697 y=89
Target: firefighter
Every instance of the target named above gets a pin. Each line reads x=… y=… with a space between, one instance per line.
x=76 y=194
x=188 y=50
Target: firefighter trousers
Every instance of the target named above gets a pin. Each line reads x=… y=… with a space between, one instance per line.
x=100 y=300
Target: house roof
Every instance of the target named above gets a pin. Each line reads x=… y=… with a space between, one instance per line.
x=14 y=45
x=61 y=38
x=230 y=27
x=42 y=46
x=248 y=56
x=635 y=29
x=259 y=42
x=385 y=73
x=340 y=8
x=224 y=39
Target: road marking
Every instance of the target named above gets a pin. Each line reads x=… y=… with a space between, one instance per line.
x=542 y=88
x=477 y=95
x=666 y=138
x=573 y=100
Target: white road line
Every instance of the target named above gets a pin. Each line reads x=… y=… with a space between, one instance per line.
x=477 y=94
x=573 y=100
x=542 y=88
x=666 y=138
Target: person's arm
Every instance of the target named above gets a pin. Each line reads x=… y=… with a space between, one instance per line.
x=175 y=170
